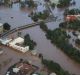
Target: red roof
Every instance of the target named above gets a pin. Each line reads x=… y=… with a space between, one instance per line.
x=71 y=18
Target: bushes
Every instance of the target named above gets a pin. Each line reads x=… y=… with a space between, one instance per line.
x=77 y=41
x=31 y=3
x=43 y=26
x=41 y=15
x=53 y=5
x=73 y=11
x=35 y=17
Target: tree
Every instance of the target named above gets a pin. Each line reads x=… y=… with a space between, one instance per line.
x=35 y=17
x=6 y=2
x=6 y=26
x=60 y=38
x=73 y=11
x=22 y=4
x=77 y=41
x=43 y=26
x=29 y=42
x=31 y=3
x=53 y=5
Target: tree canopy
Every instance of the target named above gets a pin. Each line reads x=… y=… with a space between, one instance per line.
x=6 y=26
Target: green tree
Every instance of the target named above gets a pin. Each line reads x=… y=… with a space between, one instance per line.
x=6 y=26
x=29 y=42
x=63 y=3
x=43 y=26
x=6 y=2
x=31 y=3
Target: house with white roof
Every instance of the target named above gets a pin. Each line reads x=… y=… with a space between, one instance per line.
x=19 y=40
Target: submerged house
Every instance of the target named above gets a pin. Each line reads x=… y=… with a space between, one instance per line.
x=72 y=17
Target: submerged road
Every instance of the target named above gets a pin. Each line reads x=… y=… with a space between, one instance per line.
x=25 y=27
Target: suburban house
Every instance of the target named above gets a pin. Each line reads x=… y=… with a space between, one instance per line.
x=16 y=44
x=72 y=17
x=22 y=68
x=1 y=28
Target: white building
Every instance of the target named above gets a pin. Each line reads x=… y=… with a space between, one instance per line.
x=1 y=28
x=19 y=40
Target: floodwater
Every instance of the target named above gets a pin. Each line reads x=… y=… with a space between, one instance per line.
x=44 y=45
x=50 y=51
x=19 y=16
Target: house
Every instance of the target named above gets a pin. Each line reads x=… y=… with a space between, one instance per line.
x=1 y=28
x=15 y=44
x=71 y=18
x=54 y=1
x=22 y=68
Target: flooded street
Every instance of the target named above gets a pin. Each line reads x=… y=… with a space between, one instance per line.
x=44 y=46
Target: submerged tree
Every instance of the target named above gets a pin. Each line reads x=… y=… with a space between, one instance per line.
x=6 y=26
x=29 y=42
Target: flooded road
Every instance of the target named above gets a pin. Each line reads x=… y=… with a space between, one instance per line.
x=44 y=46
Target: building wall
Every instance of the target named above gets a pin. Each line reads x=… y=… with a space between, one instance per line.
x=1 y=29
